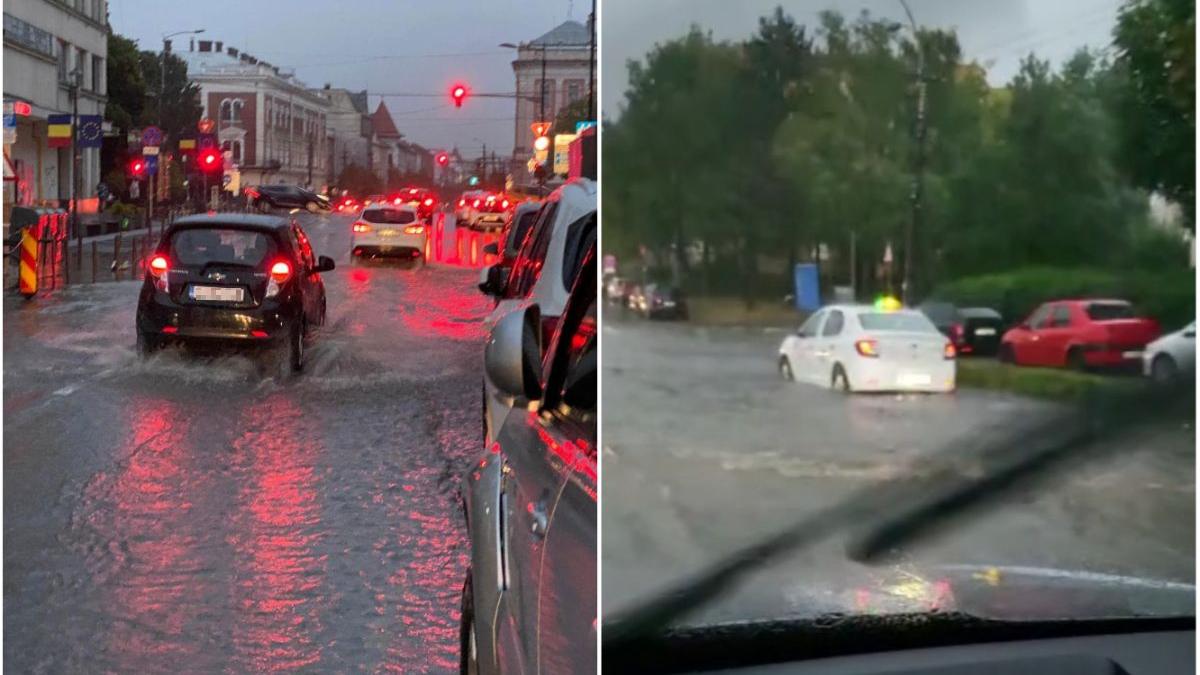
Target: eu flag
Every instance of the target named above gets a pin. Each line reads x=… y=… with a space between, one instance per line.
x=91 y=131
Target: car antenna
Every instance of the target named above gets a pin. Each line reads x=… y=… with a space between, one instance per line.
x=1099 y=413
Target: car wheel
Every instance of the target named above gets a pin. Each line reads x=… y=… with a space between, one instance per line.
x=785 y=369
x=1075 y=360
x=1007 y=355
x=839 y=380
x=296 y=347
x=311 y=207
x=147 y=344
x=468 y=663
x=1164 y=370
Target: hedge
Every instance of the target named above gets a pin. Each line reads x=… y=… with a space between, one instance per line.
x=1168 y=296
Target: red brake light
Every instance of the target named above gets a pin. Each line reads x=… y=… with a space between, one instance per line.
x=504 y=204
x=158 y=265
x=396 y=200
x=361 y=227
x=868 y=348
x=280 y=271
x=428 y=202
x=476 y=203
x=949 y=352
x=462 y=202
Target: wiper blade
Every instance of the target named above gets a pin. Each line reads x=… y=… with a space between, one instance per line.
x=953 y=494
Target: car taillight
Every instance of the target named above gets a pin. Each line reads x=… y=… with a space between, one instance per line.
x=361 y=227
x=414 y=229
x=280 y=272
x=956 y=333
x=504 y=204
x=868 y=348
x=462 y=202
x=949 y=352
x=158 y=270
x=476 y=204
x=428 y=202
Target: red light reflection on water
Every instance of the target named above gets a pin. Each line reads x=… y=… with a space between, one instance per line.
x=280 y=576
x=449 y=314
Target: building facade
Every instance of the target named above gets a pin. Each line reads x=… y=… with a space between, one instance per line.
x=551 y=73
x=55 y=55
x=272 y=128
x=349 y=130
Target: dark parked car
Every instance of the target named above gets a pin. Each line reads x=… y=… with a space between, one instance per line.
x=268 y=197
x=972 y=330
x=233 y=278
x=530 y=592
x=656 y=301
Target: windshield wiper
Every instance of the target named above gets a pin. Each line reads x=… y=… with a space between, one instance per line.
x=942 y=496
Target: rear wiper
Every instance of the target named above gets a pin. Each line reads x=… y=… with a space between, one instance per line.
x=222 y=263
x=944 y=495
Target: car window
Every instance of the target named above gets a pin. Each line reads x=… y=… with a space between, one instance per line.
x=581 y=362
x=306 y=252
x=909 y=322
x=1109 y=311
x=809 y=327
x=529 y=266
x=1060 y=316
x=942 y=313
x=570 y=366
x=833 y=326
x=519 y=229
x=390 y=216
x=581 y=237
x=199 y=246
x=1039 y=317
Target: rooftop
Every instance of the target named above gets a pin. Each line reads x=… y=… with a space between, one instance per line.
x=567 y=33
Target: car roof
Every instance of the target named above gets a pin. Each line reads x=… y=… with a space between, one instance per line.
x=979 y=312
x=861 y=307
x=247 y=220
x=528 y=206
x=403 y=206
x=1086 y=301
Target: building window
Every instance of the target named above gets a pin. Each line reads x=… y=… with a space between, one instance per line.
x=97 y=74
x=574 y=90
x=64 y=55
x=547 y=89
x=79 y=71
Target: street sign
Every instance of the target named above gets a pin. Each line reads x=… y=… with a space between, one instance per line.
x=580 y=126
x=10 y=124
x=205 y=126
x=562 y=150
x=540 y=128
x=152 y=136
x=226 y=180
x=152 y=164
x=150 y=150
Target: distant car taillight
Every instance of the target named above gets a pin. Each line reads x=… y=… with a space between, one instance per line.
x=361 y=227
x=396 y=201
x=462 y=202
x=428 y=202
x=414 y=229
x=476 y=204
x=868 y=348
x=949 y=352
x=158 y=270
x=504 y=204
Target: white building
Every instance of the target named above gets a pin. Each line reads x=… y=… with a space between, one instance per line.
x=349 y=130
x=273 y=127
x=45 y=43
x=555 y=64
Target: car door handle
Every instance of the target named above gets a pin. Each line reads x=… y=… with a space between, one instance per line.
x=540 y=518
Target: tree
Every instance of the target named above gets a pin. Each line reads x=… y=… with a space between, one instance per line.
x=360 y=181
x=1155 y=40
x=126 y=86
x=180 y=98
x=576 y=111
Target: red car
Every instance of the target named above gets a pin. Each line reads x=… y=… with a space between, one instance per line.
x=1079 y=334
x=425 y=200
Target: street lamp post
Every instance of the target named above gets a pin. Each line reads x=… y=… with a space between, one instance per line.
x=592 y=63
x=918 y=186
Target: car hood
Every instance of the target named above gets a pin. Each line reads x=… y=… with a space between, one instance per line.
x=1001 y=592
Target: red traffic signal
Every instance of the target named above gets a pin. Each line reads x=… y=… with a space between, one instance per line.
x=137 y=168
x=458 y=93
x=210 y=160
x=442 y=159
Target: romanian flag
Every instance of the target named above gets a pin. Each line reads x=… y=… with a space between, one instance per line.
x=58 y=131
x=187 y=144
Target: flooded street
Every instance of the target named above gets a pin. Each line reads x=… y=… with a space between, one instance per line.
x=187 y=513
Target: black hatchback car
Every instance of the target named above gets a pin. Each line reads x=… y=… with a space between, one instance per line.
x=267 y=197
x=973 y=330
x=234 y=278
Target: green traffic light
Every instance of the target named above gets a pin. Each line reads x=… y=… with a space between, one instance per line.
x=473 y=180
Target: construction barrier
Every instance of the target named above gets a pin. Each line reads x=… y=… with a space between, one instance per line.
x=28 y=273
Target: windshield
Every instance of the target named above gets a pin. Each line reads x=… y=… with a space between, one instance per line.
x=1109 y=311
x=896 y=321
x=392 y=216
x=236 y=247
x=816 y=164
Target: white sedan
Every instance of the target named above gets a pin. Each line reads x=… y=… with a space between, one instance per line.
x=384 y=230
x=1171 y=356
x=861 y=348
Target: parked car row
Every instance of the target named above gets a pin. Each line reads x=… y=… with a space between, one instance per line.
x=530 y=502
x=649 y=301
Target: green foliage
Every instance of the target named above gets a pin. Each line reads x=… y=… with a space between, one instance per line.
x=360 y=181
x=121 y=209
x=126 y=86
x=568 y=116
x=1165 y=294
x=756 y=152
x=180 y=99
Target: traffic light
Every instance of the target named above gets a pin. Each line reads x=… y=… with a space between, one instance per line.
x=541 y=143
x=137 y=168
x=442 y=159
x=209 y=160
x=458 y=93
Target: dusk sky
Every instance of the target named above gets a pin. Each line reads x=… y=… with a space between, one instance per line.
x=996 y=34
x=384 y=46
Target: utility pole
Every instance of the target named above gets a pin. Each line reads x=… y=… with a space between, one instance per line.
x=310 y=158
x=918 y=186
x=592 y=63
x=76 y=82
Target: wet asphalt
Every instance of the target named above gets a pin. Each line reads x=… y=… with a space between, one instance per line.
x=706 y=449
x=189 y=513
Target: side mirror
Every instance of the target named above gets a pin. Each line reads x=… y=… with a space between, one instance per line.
x=492 y=280
x=492 y=249
x=512 y=356
x=324 y=264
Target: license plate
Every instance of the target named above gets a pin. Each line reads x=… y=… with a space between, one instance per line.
x=914 y=379
x=1132 y=355
x=217 y=293
x=985 y=331
x=387 y=233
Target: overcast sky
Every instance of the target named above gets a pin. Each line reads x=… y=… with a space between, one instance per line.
x=995 y=32
x=384 y=46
